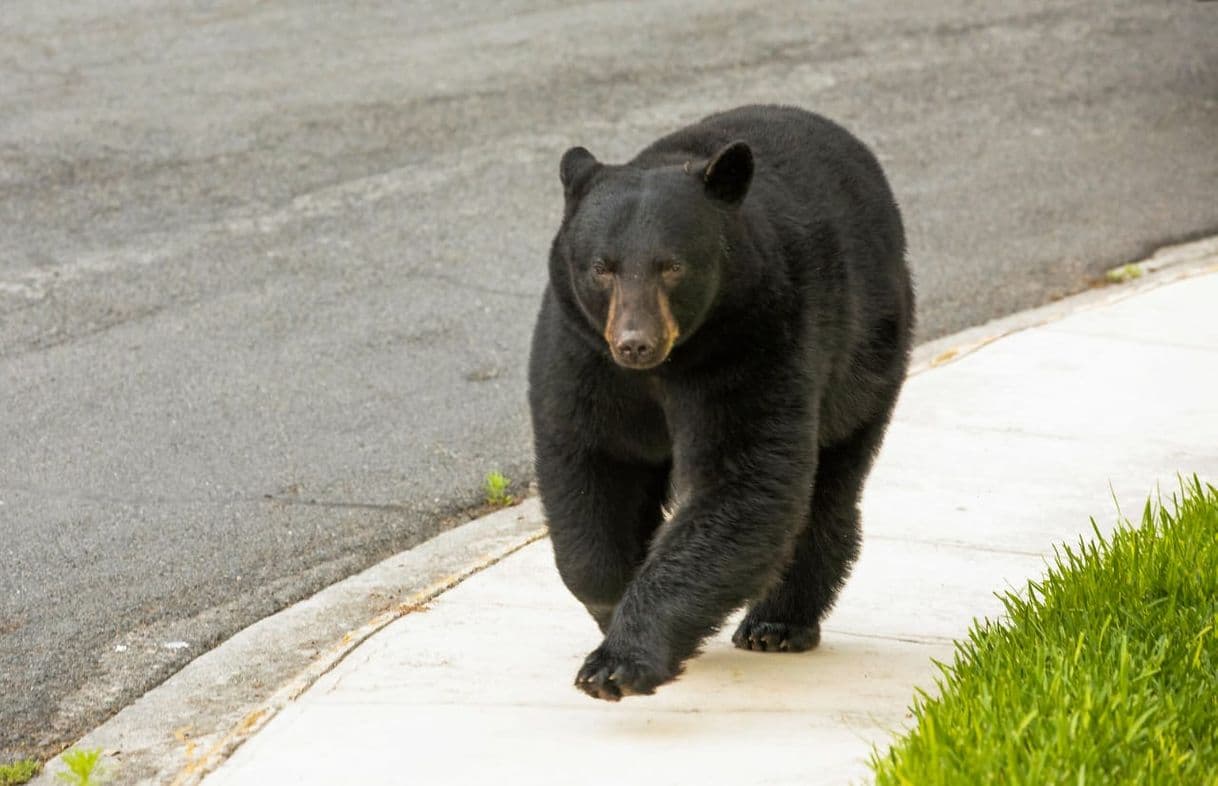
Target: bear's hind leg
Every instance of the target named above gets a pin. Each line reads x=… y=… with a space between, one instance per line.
x=788 y=618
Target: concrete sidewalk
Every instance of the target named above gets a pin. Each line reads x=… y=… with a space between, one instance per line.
x=993 y=458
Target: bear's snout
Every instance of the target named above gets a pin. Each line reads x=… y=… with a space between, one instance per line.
x=640 y=329
x=636 y=349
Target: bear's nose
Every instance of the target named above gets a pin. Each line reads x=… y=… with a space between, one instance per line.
x=635 y=347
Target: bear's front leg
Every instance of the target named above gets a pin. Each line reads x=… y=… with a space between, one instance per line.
x=747 y=487
x=601 y=512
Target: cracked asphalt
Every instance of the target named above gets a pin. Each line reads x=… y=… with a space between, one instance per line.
x=268 y=271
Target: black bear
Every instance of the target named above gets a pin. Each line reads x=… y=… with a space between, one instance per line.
x=725 y=331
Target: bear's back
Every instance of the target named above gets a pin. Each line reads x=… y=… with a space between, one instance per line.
x=807 y=165
x=793 y=143
x=839 y=234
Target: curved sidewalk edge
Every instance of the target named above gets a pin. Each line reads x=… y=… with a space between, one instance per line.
x=184 y=728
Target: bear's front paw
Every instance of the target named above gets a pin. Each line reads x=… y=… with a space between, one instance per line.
x=610 y=674
x=775 y=636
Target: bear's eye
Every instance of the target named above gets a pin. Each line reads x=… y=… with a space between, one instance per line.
x=672 y=267
x=599 y=267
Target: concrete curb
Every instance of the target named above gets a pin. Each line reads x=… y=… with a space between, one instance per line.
x=1168 y=264
x=183 y=729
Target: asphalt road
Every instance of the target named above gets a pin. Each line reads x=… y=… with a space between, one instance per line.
x=268 y=271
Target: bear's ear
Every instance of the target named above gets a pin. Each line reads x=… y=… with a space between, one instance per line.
x=729 y=173
x=576 y=167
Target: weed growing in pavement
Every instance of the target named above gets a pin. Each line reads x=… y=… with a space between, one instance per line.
x=18 y=772
x=85 y=767
x=496 y=486
x=1119 y=275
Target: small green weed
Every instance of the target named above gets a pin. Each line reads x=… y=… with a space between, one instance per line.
x=496 y=490
x=86 y=767
x=18 y=772
x=1105 y=671
x=1119 y=275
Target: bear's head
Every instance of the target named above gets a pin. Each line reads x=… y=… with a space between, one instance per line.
x=644 y=248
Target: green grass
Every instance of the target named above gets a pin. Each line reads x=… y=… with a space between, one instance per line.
x=496 y=487
x=18 y=772
x=1104 y=672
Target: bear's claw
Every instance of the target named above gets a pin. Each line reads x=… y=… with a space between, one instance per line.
x=775 y=636
x=610 y=676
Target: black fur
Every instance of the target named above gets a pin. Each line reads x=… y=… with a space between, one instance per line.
x=744 y=375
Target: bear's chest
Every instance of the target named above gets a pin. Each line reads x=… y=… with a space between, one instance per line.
x=633 y=424
x=643 y=434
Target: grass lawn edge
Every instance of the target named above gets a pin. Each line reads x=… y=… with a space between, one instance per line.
x=1105 y=670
